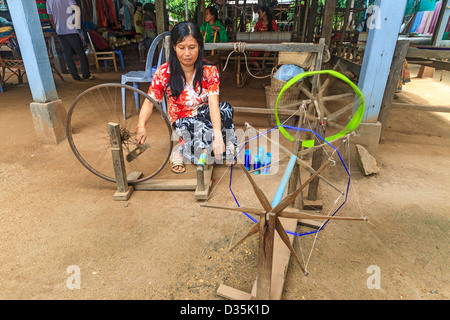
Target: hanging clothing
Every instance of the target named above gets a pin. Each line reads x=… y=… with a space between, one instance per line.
x=127 y=12
x=421 y=28
x=427 y=25
x=434 y=18
x=417 y=21
x=106 y=14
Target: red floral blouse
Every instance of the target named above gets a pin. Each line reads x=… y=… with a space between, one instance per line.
x=189 y=100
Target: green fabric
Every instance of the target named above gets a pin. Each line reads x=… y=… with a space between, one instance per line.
x=351 y=125
x=223 y=37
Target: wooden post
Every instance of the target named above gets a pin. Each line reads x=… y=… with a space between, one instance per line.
x=316 y=163
x=161 y=16
x=328 y=20
x=305 y=19
x=201 y=12
x=394 y=75
x=296 y=176
x=265 y=256
x=312 y=20
x=344 y=27
x=124 y=191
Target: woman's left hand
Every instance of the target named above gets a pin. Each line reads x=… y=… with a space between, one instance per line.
x=218 y=148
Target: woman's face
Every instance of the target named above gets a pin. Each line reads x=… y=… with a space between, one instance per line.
x=187 y=51
x=261 y=14
x=208 y=16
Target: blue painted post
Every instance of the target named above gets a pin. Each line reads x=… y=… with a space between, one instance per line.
x=382 y=38
x=27 y=27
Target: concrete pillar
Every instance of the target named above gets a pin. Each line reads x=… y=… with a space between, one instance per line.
x=49 y=121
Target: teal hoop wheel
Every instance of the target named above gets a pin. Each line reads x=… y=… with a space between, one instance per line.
x=334 y=110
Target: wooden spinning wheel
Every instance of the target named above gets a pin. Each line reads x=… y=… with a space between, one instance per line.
x=269 y=222
x=327 y=108
x=89 y=138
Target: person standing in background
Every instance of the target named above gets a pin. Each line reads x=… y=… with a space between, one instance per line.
x=149 y=24
x=139 y=27
x=65 y=17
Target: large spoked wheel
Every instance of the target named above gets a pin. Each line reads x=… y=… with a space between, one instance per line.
x=87 y=132
x=332 y=107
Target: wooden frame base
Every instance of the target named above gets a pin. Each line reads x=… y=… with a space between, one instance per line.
x=201 y=185
x=281 y=256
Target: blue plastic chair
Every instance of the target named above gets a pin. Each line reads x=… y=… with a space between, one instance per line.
x=137 y=77
x=119 y=53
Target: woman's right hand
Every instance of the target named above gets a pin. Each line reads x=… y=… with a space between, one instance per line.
x=141 y=134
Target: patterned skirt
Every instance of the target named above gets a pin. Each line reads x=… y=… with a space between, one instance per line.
x=196 y=133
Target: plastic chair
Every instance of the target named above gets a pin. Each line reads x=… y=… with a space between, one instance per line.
x=119 y=53
x=137 y=77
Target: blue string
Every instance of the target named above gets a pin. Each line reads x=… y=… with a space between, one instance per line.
x=320 y=137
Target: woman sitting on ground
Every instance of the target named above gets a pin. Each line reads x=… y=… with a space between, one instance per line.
x=192 y=88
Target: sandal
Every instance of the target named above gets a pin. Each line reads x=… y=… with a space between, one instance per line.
x=178 y=162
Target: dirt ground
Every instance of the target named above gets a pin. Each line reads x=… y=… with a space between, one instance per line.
x=164 y=245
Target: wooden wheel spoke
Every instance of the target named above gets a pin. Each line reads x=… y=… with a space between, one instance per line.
x=304 y=215
x=340 y=112
x=325 y=111
x=284 y=237
x=307 y=92
x=337 y=96
x=335 y=125
x=239 y=209
x=253 y=230
x=323 y=88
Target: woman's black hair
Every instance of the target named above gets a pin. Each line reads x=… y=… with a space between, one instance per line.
x=136 y=6
x=266 y=9
x=213 y=11
x=177 y=79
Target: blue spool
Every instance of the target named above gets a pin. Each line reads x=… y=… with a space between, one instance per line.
x=261 y=156
x=248 y=159
x=256 y=165
x=266 y=163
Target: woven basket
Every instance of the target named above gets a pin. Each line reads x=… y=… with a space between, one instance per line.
x=288 y=98
x=279 y=84
x=296 y=58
